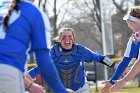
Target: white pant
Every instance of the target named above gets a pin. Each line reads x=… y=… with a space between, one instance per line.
x=11 y=80
x=84 y=89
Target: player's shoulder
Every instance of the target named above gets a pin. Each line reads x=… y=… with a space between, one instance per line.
x=29 y=8
x=79 y=47
x=54 y=47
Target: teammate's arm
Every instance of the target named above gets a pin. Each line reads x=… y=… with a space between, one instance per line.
x=34 y=72
x=132 y=51
x=120 y=69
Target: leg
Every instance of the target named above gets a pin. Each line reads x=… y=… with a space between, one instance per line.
x=11 y=80
x=84 y=89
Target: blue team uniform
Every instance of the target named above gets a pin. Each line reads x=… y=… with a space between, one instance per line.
x=132 y=51
x=70 y=64
x=1 y=17
x=13 y=46
x=29 y=26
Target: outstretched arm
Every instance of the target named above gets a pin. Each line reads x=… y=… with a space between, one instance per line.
x=92 y=56
x=131 y=52
x=120 y=69
x=130 y=75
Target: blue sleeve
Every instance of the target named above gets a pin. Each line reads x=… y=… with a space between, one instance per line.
x=132 y=51
x=41 y=35
x=48 y=71
x=1 y=18
x=120 y=69
x=33 y=72
x=92 y=56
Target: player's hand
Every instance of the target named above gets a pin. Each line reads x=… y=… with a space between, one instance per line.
x=70 y=91
x=107 y=86
x=35 y=88
x=118 y=85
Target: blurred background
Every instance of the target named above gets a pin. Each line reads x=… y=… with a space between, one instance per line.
x=98 y=25
x=86 y=16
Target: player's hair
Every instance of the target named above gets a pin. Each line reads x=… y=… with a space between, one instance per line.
x=135 y=12
x=57 y=39
x=14 y=6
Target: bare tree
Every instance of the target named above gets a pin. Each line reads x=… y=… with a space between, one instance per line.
x=88 y=12
x=90 y=8
x=91 y=13
x=39 y=3
x=122 y=35
x=120 y=6
x=56 y=9
x=57 y=15
x=85 y=14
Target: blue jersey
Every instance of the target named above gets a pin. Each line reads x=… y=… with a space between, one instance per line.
x=132 y=51
x=1 y=17
x=27 y=26
x=70 y=65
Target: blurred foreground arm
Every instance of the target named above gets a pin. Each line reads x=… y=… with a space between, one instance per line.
x=131 y=74
x=33 y=87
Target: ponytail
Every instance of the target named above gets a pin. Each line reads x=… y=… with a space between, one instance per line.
x=14 y=6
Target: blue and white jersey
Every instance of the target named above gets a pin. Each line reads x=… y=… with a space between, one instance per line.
x=28 y=26
x=132 y=49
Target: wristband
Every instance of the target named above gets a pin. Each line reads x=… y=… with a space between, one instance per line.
x=108 y=62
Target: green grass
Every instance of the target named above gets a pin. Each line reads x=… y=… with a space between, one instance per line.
x=124 y=90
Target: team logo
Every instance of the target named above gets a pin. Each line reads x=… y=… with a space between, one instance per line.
x=66 y=61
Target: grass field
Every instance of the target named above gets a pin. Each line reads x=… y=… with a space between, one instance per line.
x=124 y=90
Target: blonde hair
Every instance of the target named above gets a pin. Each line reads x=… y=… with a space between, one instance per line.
x=57 y=39
x=135 y=12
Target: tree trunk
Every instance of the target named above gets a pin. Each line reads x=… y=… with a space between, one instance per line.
x=55 y=20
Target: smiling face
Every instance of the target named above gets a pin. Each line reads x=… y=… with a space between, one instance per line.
x=66 y=38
